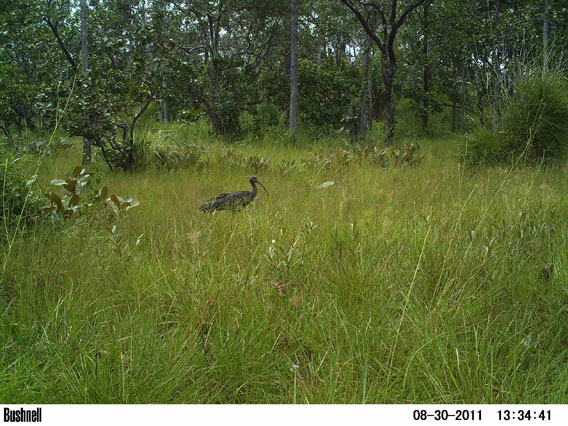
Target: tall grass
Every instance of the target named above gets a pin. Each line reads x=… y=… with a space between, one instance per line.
x=425 y=284
x=528 y=118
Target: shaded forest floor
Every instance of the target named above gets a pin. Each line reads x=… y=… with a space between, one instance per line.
x=422 y=284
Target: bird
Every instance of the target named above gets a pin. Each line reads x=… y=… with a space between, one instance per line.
x=233 y=200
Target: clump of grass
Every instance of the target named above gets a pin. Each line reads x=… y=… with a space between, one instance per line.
x=536 y=120
x=531 y=125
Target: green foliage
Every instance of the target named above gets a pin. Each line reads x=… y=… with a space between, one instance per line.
x=407 y=154
x=327 y=92
x=535 y=119
x=20 y=203
x=377 y=288
x=38 y=144
x=188 y=156
x=80 y=197
x=265 y=117
x=531 y=125
x=480 y=147
x=253 y=163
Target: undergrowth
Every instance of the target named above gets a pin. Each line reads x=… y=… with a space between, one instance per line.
x=351 y=283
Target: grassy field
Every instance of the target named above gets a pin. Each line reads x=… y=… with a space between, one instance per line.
x=424 y=284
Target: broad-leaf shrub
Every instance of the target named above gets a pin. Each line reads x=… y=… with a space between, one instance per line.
x=19 y=203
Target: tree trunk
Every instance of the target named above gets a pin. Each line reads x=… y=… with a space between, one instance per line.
x=454 y=108
x=426 y=75
x=391 y=23
x=388 y=71
x=462 y=106
x=84 y=69
x=364 y=89
x=545 y=34
x=371 y=104
x=19 y=126
x=84 y=39
x=294 y=69
x=339 y=53
x=165 y=112
x=215 y=78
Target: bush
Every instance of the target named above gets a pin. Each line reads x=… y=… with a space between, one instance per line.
x=536 y=118
x=532 y=124
x=265 y=117
x=327 y=92
x=481 y=147
x=19 y=202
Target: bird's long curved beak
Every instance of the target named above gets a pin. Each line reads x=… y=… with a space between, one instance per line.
x=263 y=187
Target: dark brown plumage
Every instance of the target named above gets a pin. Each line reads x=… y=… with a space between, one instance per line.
x=233 y=200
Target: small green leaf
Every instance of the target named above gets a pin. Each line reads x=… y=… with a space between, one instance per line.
x=129 y=206
x=56 y=199
x=71 y=185
x=32 y=180
x=74 y=200
x=48 y=210
x=326 y=184
x=78 y=171
x=113 y=206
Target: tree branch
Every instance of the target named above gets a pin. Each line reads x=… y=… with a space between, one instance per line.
x=59 y=41
x=407 y=12
x=365 y=24
x=144 y=108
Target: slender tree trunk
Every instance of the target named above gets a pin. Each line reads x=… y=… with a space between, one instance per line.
x=215 y=77
x=339 y=53
x=364 y=89
x=462 y=106
x=85 y=69
x=84 y=39
x=19 y=126
x=165 y=112
x=427 y=75
x=294 y=69
x=388 y=71
x=545 y=34
x=454 y=103
x=370 y=92
x=286 y=54
x=454 y=110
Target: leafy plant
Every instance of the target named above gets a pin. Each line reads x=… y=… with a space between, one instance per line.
x=252 y=163
x=531 y=124
x=403 y=155
x=192 y=155
x=75 y=198
x=19 y=201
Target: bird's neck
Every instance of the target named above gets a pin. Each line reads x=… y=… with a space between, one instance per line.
x=254 y=189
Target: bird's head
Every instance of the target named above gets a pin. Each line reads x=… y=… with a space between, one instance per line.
x=253 y=180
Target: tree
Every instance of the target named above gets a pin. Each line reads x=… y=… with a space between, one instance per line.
x=85 y=71
x=390 y=23
x=227 y=42
x=366 y=89
x=294 y=69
